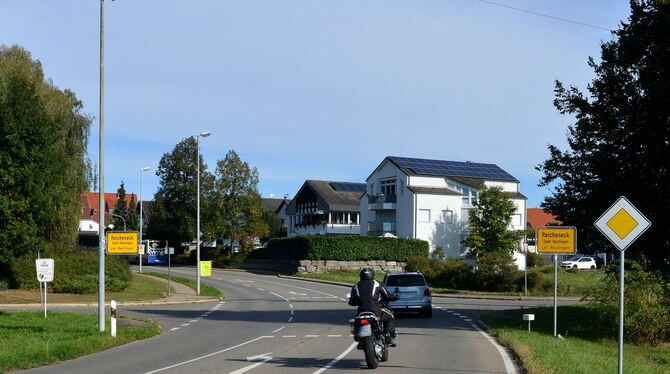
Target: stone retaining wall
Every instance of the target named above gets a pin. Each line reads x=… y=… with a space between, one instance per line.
x=326 y=266
x=319 y=266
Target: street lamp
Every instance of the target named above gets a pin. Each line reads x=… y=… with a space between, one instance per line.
x=141 y=255
x=203 y=134
x=122 y=219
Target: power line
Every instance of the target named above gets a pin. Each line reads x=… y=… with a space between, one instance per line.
x=544 y=15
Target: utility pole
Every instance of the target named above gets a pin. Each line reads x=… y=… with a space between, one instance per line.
x=101 y=176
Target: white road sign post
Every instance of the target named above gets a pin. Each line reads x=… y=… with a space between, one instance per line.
x=622 y=223
x=45 y=273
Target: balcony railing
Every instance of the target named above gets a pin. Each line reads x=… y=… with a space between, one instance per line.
x=382 y=202
x=379 y=228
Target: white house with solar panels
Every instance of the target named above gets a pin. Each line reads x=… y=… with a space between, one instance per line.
x=430 y=199
x=325 y=208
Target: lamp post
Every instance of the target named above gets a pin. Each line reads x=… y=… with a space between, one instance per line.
x=203 y=134
x=101 y=176
x=122 y=219
x=141 y=214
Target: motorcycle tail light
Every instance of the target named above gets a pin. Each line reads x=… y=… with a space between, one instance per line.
x=426 y=292
x=365 y=322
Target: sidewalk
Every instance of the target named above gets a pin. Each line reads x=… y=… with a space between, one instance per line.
x=182 y=295
x=443 y=295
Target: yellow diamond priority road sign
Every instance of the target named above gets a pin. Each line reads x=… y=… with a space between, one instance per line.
x=622 y=223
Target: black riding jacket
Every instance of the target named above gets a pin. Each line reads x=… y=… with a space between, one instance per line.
x=367 y=294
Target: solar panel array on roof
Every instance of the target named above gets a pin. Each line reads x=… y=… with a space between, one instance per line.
x=351 y=187
x=452 y=168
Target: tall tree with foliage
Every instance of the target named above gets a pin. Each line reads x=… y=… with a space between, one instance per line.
x=620 y=141
x=121 y=211
x=43 y=138
x=173 y=212
x=236 y=201
x=489 y=224
x=133 y=219
x=276 y=228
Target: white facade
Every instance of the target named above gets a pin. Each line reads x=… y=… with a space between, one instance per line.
x=429 y=207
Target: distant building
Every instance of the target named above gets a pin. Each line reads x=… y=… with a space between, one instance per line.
x=537 y=217
x=430 y=200
x=89 y=223
x=325 y=208
x=278 y=206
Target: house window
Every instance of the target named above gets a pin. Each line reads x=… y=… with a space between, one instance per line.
x=465 y=216
x=447 y=216
x=516 y=220
x=462 y=246
x=424 y=215
x=354 y=218
x=387 y=186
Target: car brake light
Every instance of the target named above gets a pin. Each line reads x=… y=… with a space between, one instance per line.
x=365 y=322
x=426 y=292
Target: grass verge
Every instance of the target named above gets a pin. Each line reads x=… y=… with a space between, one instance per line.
x=587 y=348
x=140 y=288
x=205 y=289
x=576 y=284
x=29 y=340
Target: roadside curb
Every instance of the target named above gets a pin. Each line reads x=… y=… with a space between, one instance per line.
x=187 y=300
x=442 y=295
x=510 y=357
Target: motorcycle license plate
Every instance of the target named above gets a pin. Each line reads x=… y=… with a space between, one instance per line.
x=364 y=330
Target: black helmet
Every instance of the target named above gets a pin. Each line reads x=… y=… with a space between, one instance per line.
x=367 y=274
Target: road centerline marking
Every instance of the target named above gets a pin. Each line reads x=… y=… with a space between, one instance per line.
x=336 y=359
x=205 y=356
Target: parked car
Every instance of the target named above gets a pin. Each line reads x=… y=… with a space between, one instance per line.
x=413 y=291
x=579 y=262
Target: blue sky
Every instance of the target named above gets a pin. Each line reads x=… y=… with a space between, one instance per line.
x=318 y=89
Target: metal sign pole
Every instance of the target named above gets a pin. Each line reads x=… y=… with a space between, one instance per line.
x=621 y=292
x=555 y=292
x=45 y=299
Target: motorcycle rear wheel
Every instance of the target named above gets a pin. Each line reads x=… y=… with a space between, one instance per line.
x=369 y=350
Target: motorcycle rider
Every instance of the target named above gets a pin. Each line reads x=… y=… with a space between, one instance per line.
x=366 y=294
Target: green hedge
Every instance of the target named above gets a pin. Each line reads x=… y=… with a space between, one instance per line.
x=345 y=248
x=75 y=272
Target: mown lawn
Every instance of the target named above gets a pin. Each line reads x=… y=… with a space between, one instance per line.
x=205 y=289
x=29 y=340
x=140 y=288
x=590 y=346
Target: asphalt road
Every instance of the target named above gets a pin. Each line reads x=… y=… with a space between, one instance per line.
x=274 y=325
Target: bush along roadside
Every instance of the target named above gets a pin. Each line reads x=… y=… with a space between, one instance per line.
x=496 y=272
x=75 y=272
x=345 y=248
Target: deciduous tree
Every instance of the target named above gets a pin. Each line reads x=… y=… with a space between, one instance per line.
x=489 y=224
x=620 y=141
x=43 y=137
x=236 y=201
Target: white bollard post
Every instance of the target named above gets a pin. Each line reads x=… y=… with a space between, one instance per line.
x=45 y=299
x=113 y=324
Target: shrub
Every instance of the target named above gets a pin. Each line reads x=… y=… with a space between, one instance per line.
x=458 y=275
x=75 y=272
x=536 y=282
x=647 y=300
x=4 y=284
x=345 y=248
x=430 y=268
x=496 y=271
x=534 y=260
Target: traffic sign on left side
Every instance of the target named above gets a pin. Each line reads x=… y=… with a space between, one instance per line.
x=122 y=242
x=45 y=269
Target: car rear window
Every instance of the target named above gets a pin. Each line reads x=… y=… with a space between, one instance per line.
x=409 y=280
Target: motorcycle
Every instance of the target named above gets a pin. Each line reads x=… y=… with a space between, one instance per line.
x=368 y=331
